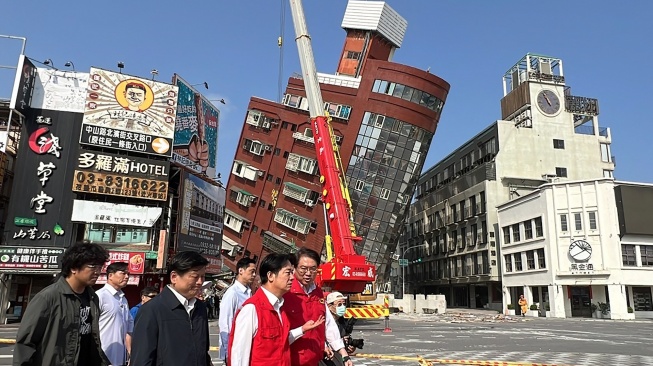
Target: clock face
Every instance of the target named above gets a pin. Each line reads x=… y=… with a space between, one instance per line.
x=548 y=102
x=580 y=250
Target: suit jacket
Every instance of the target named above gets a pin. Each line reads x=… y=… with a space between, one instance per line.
x=165 y=335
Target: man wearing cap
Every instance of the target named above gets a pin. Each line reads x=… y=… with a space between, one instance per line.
x=305 y=301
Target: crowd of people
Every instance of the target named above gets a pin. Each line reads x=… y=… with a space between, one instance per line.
x=287 y=319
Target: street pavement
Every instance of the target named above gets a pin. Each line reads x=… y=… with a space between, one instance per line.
x=536 y=340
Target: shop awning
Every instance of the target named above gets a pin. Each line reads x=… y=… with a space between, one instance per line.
x=231 y=213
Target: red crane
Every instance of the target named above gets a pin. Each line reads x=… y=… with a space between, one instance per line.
x=345 y=270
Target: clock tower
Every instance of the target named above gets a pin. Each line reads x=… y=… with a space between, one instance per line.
x=533 y=86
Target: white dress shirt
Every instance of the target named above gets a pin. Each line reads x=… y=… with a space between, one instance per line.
x=115 y=322
x=189 y=305
x=232 y=301
x=332 y=332
x=247 y=326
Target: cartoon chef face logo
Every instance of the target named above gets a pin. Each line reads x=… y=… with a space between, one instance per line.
x=134 y=95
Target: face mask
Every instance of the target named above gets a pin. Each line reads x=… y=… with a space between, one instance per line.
x=340 y=310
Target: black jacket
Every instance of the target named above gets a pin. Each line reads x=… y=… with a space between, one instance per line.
x=164 y=334
x=49 y=330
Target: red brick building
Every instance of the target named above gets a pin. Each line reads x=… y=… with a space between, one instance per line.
x=384 y=116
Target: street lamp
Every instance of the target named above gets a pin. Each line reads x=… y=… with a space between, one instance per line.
x=403 y=268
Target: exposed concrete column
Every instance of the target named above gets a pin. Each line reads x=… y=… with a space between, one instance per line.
x=557 y=295
x=618 y=304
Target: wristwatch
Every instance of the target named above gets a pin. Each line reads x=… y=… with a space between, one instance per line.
x=346 y=358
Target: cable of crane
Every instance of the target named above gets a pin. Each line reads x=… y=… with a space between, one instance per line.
x=282 y=26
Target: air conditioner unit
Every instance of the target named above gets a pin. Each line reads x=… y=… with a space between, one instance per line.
x=233 y=251
x=260 y=173
x=266 y=124
x=267 y=148
x=309 y=202
x=395 y=257
x=254 y=118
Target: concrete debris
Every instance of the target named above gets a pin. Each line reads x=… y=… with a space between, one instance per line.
x=464 y=316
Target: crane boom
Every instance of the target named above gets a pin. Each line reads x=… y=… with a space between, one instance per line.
x=345 y=270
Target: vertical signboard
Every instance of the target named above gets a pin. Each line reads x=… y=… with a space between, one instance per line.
x=23 y=85
x=201 y=215
x=41 y=205
x=129 y=113
x=196 y=130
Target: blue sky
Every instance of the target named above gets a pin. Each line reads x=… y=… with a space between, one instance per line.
x=605 y=47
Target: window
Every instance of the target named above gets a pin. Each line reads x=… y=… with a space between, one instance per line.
x=269 y=177
x=605 y=153
x=518 y=266
x=277 y=151
x=564 y=226
x=530 y=259
x=561 y=172
x=285 y=125
x=463 y=235
x=353 y=55
x=286 y=154
x=642 y=299
x=301 y=163
x=646 y=253
x=607 y=173
x=385 y=193
x=506 y=235
x=101 y=233
x=541 y=261
x=359 y=185
x=474 y=232
x=515 y=233
x=254 y=229
x=558 y=144
x=539 y=231
x=484 y=232
x=628 y=255
x=592 y=220
x=262 y=203
x=277 y=181
x=578 y=221
x=292 y=221
x=528 y=229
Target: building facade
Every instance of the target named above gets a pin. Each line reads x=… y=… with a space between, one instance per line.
x=593 y=246
x=384 y=116
x=451 y=237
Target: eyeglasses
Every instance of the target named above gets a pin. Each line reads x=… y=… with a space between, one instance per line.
x=94 y=267
x=303 y=270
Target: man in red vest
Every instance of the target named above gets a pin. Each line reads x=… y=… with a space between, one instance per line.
x=262 y=332
x=305 y=301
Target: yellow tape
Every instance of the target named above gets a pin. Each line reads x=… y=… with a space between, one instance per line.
x=7 y=341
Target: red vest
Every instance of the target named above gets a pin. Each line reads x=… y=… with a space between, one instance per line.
x=308 y=350
x=271 y=339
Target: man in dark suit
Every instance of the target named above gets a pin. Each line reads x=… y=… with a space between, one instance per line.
x=172 y=329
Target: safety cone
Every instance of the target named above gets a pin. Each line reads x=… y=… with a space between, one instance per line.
x=386 y=322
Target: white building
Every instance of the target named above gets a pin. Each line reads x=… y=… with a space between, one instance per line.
x=545 y=133
x=571 y=244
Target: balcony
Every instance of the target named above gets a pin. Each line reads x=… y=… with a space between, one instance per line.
x=295 y=191
x=292 y=221
x=589 y=130
x=277 y=244
x=302 y=137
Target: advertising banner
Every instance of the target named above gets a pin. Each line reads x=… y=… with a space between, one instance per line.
x=135 y=261
x=120 y=175
x=196 y=130
x=60 y=90
x=129 y=113
x=30 y=258
x=112 y=213
x=41 y=206
x=215 y=265
x=201 y=216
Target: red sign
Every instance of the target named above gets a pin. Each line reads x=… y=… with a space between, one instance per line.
x=135 y=260
x=215 y=264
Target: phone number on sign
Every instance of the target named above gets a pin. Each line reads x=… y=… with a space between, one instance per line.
x=116 y=185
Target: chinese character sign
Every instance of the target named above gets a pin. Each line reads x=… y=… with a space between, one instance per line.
x=201 y=209
x=30 y=257
x=134 y=260
x=196 y=130
x=48 y=151
x=129 y=113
